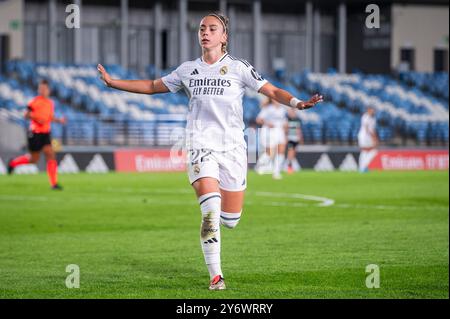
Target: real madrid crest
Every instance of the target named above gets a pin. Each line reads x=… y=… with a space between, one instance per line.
x=223 y=70
x=196 y=169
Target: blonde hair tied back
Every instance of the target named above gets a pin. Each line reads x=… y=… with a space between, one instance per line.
x=225 y=22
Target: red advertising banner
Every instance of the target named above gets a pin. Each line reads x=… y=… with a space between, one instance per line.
x=410 y=160
x=148 y=160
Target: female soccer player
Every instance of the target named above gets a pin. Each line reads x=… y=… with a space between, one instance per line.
x=294 y=137
x=217 y=158
x=367 y=139
x=273 y=119
x=40 y=112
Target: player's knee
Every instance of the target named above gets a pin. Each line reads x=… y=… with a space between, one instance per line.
x=50 y=156
x=230 y=220
x=34 y=160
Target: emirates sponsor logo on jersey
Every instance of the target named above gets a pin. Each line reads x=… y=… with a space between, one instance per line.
x=209 y=82
x=209 y=86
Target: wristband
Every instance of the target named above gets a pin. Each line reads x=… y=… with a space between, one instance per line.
x=294 y=101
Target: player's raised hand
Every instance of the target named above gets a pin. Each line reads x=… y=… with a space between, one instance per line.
x=316 y=98
x=106 y=78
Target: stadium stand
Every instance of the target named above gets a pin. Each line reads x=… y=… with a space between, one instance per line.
x=402 y=111
x=412 y=107
x=434 y=83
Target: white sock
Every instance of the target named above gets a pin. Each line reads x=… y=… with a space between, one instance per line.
x=371 y=155
x=295 y=165
x=278 y=163
x=363 y=160
x=230 y=220
x=210 y=205
x=286 y=165
x=263 y=160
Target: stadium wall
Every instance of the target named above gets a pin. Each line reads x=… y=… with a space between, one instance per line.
x=11 y=25
x=159 y=160
x=411 y=31
x=11 y=132
x=283 y=36
x=368 y=50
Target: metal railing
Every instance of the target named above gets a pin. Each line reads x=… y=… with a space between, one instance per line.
x=119 y=133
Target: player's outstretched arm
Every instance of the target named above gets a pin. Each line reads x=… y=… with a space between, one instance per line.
x=286 y=98
x=60 y=120
x=134 y=86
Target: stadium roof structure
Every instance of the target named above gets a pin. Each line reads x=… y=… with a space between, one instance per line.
x=275 y=4
x=267 y=6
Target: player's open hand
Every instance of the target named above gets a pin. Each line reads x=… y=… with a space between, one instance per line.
x=316 y=98
x=106 y=78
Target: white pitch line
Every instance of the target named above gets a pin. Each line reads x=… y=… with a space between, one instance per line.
x=277 y=204
x=324 y=202
x=93 y=199
x=149 y=190
x=24 y=198
x=387 y=207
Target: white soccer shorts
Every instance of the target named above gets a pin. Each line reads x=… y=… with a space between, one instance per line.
x=228 y=167
x=365 y=141
x=271 y=137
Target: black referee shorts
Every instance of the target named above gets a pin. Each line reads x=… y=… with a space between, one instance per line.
x=292 y=144
x=36 y=141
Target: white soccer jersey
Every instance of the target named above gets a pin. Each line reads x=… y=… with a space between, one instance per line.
x=368 y=124
x=275 y=115
x=215 y=91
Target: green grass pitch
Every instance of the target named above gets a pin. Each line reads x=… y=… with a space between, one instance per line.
x=137 y=236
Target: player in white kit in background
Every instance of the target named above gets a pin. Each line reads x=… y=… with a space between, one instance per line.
x=294 y=137
x=273 y=119
x=217 y=159
x=367 y=139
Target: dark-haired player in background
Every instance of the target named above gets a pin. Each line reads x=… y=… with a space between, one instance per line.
x=294 y=137
x=40 y=112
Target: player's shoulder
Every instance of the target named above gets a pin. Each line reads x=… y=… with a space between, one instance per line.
x=47 y=101
x=33 y=100
x=367 y=117
x=186 y=65
x=186 y=68
x=238 y=62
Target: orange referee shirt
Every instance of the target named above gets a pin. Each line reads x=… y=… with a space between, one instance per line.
x=43 y=109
